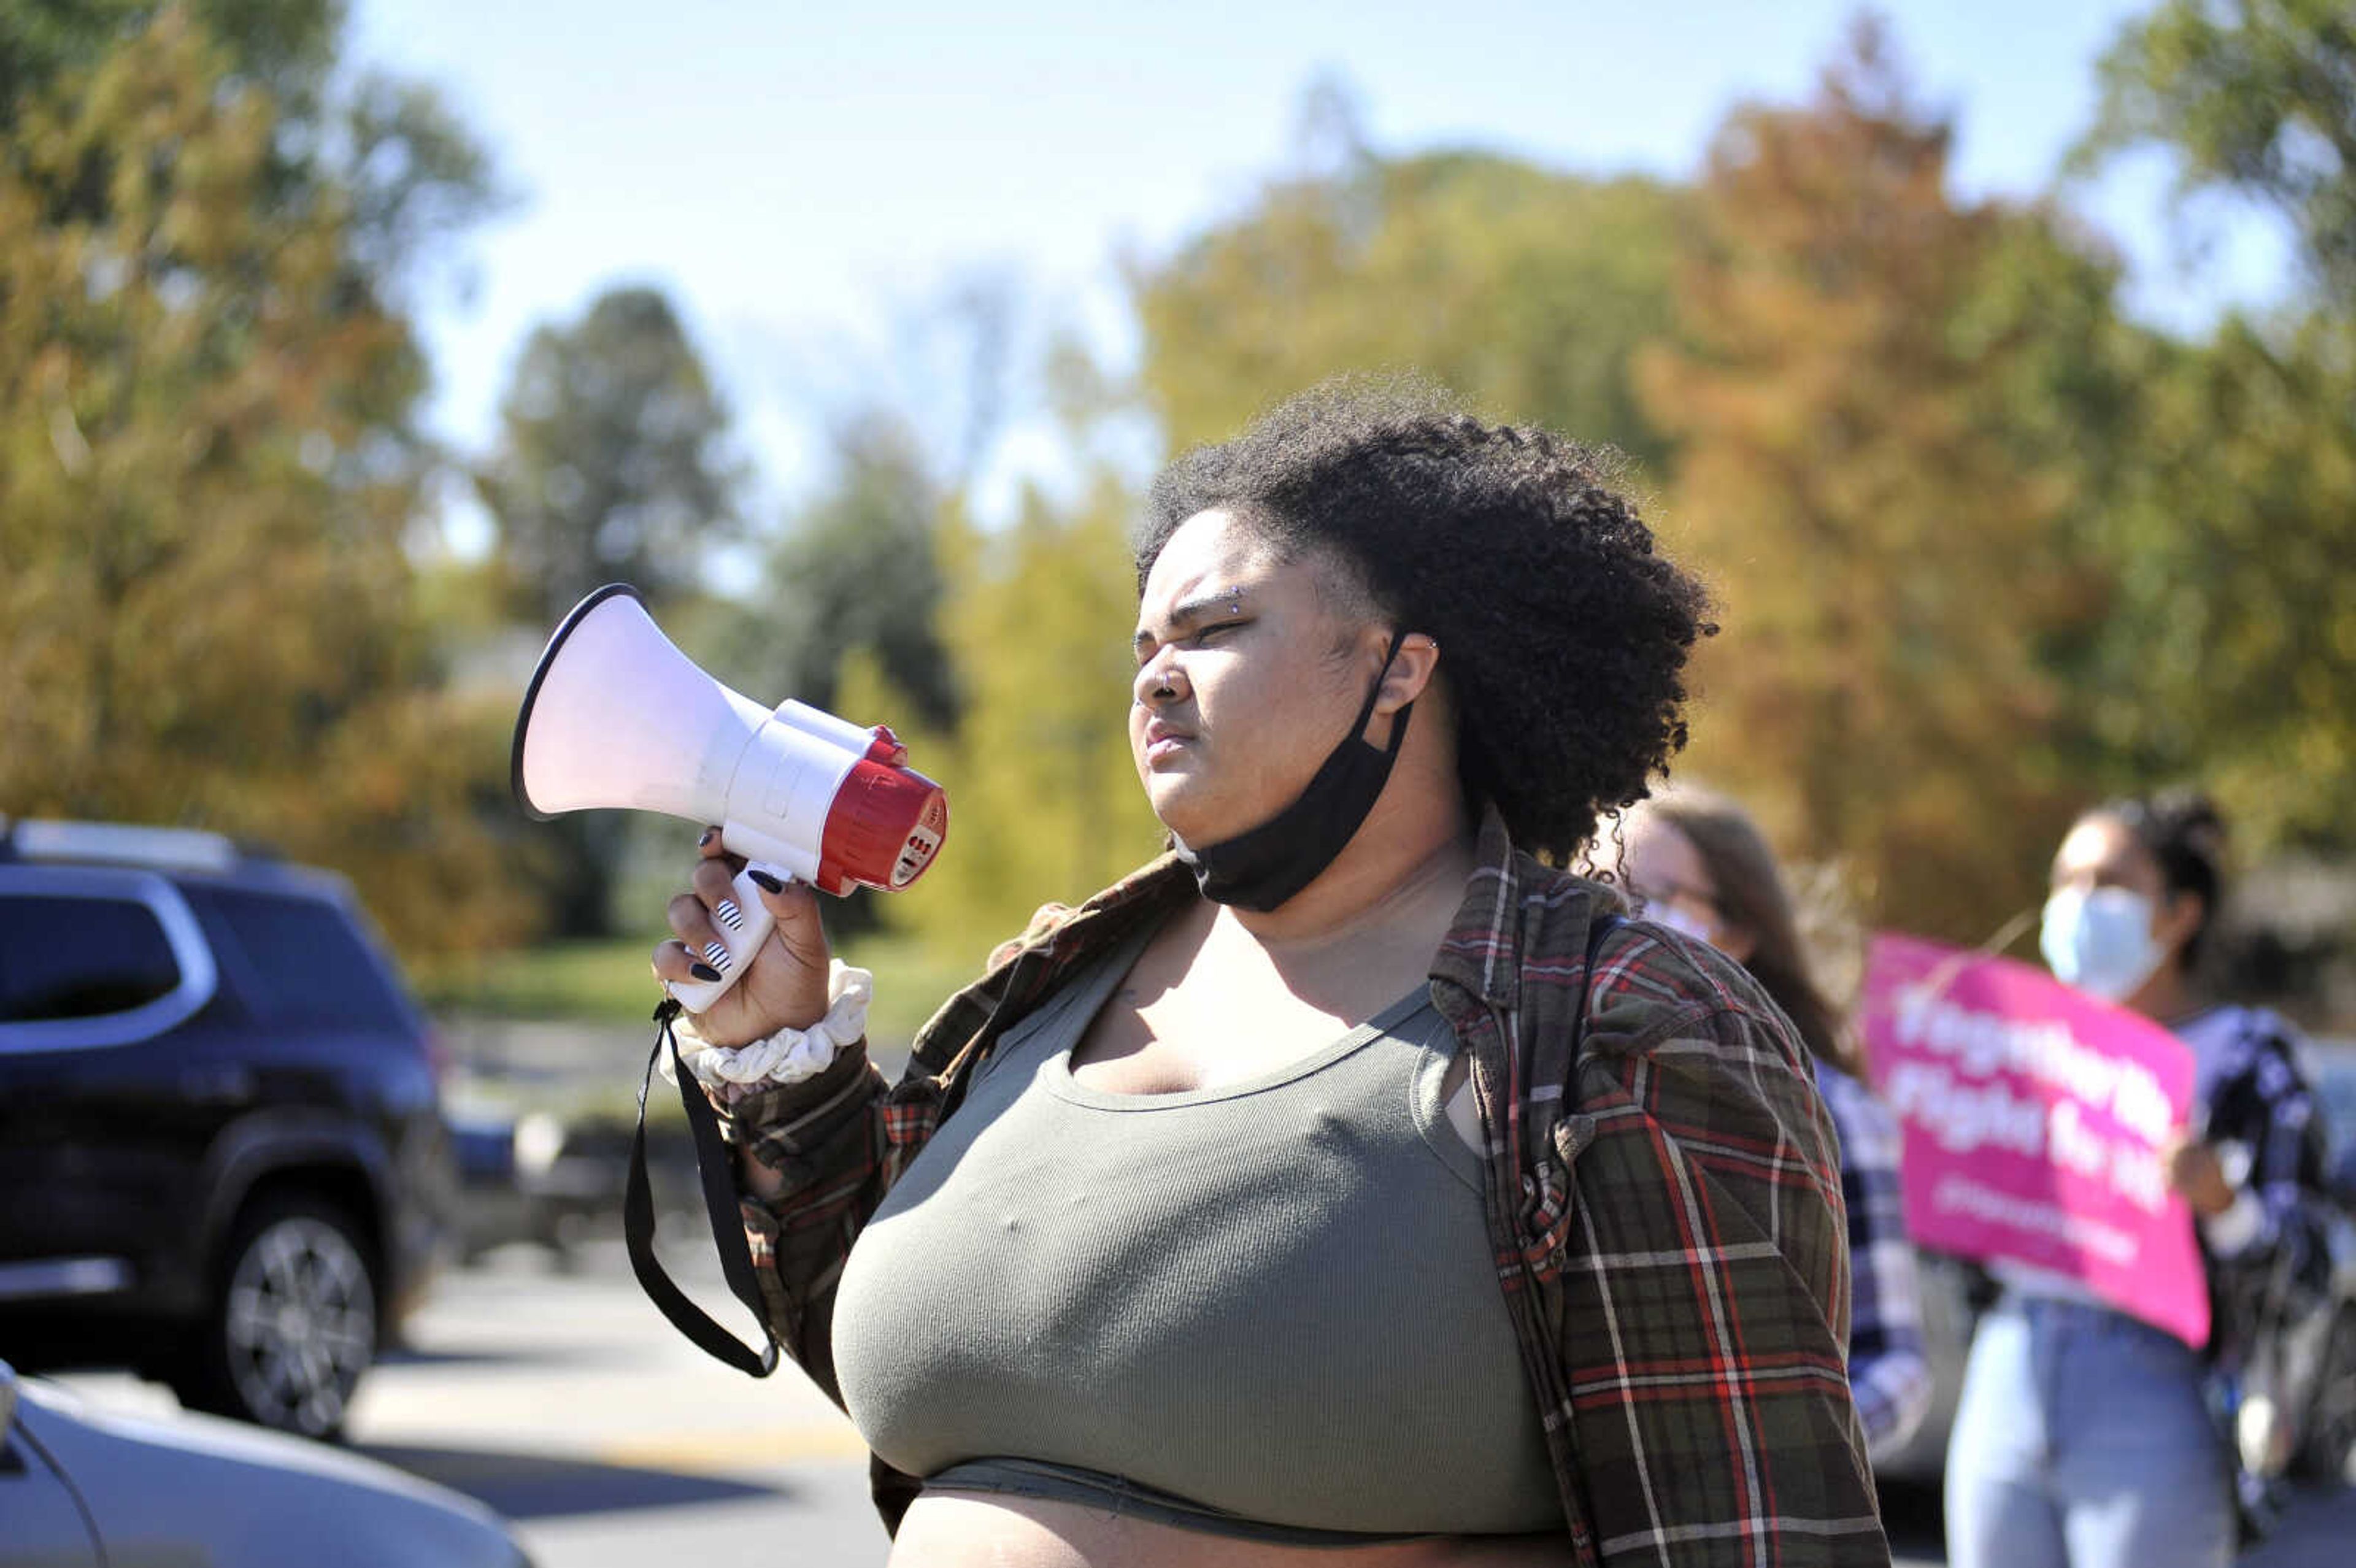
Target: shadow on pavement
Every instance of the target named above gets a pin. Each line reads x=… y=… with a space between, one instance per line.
x=523 y=1486
x=503 y=1356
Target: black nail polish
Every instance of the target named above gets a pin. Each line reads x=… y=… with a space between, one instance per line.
x=705 y=841
x=767 y=881
x=704 y=970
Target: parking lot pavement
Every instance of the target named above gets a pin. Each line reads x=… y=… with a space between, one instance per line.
x=567 y=1402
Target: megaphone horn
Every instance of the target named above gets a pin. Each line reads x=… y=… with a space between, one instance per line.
x=617 y=717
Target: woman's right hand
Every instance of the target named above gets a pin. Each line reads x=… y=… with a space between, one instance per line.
x=784 y=985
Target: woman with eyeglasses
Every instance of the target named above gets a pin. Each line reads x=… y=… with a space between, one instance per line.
x=1693 y=860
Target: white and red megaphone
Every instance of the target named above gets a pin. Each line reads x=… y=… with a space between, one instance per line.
x=615 y=716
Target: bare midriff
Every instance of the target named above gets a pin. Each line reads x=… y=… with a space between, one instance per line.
x=954 y=1529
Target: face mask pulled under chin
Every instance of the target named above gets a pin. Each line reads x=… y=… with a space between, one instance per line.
x=1261 y=868
x=2100 y=941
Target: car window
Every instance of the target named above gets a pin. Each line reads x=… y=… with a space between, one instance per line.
x=80 y=958
x=304 y=958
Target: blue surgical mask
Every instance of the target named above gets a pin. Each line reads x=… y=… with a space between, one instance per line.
x=2100 y=941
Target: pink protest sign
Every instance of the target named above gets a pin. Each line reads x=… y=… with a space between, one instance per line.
x=2033 y=1116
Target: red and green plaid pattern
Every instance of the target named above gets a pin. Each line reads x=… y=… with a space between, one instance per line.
x=1665 y=1200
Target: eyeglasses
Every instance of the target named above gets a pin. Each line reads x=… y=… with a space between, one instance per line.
x=1645 y=895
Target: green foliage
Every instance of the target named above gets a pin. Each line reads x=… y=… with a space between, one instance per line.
x=2229 y=652
x=1525 y=289
x=611 y=465
x=2254 y=96
x=856 y=570
x=205 y=472
x=283 y=47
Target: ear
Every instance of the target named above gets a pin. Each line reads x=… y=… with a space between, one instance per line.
x=1409 y=674
x=2176 y=918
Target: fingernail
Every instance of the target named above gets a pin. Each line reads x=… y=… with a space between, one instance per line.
x=717 y=956
x=708 y=835
x=730 y=916
x=768 y=883
x=704 y=970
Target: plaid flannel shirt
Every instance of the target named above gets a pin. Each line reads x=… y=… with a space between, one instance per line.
x=1664 y=1208
x=1888 y=1371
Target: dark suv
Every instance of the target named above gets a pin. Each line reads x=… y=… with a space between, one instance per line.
x=222 y=1147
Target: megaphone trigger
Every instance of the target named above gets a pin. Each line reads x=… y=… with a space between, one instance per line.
x=740 y=939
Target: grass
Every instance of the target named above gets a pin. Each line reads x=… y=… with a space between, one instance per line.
x=608 y=982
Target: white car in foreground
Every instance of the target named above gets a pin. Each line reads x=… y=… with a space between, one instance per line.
x=82 y=1485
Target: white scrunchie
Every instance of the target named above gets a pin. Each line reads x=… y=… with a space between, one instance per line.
x=788 y=1056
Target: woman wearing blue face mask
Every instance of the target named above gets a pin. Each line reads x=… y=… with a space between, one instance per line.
x=2085 y=1437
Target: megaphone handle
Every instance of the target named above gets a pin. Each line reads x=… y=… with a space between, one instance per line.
x=742 y=942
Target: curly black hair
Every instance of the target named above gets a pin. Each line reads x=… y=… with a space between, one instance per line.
x=1563 y=634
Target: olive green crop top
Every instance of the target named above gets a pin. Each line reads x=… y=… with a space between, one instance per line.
x=1272 y=1303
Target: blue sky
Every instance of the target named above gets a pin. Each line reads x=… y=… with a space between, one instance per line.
x=801 y=178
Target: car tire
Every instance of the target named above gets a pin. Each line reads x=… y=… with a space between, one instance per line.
x=2329 y=1439
x=293 y=1321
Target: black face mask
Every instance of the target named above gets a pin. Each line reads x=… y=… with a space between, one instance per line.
x=1260 y=868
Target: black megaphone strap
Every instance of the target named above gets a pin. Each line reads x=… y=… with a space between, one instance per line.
x=714 y=1172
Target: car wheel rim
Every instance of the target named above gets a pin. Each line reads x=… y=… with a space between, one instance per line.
x=301 y=1325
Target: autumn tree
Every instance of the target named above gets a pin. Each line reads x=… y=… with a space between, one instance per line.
x=208 y=466
x=379 y=151
x=1880 y=550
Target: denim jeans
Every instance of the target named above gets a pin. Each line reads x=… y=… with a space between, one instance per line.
x=2083 y=1441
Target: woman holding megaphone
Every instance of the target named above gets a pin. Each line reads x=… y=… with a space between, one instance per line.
x=1350 y=1185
